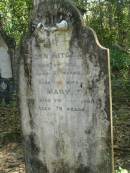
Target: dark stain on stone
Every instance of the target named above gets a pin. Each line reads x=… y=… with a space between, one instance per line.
x=38 y=167
x=88 y=131
x=26 y=53
x=81 y=85
x=63 y=170
x=30 y=109
x=61 y=167
x=34 y=148
x=33 y=164
x=83 y=169
x=85 y=37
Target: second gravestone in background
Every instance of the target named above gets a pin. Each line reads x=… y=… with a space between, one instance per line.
x=65 y=94
x=6 y=63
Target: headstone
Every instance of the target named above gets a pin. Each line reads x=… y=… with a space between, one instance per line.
x=5 y=68
x=65 y=97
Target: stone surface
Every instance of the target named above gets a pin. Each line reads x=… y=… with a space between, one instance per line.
x=65 y=98
x=6 y=64
x=5 y=60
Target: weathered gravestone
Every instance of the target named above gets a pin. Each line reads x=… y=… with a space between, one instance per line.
x=65 y=94
x=6 y=59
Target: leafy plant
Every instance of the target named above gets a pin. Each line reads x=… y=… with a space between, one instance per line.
x=121 y=170
x=15 y=16
x=120 y=64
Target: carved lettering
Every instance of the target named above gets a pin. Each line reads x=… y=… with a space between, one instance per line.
x=58 y=92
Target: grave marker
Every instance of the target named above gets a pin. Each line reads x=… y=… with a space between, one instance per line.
x=6 y=60
x=65 y=97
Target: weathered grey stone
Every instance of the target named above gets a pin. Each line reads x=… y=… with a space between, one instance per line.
x=5 y=61
x=65 y=98
x=6 y=64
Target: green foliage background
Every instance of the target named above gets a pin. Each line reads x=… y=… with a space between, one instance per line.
x=109 y=18
x=15 y=15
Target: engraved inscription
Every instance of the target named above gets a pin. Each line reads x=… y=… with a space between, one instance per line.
x=58 y=76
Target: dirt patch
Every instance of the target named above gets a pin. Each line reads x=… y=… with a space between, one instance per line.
x=12 y=158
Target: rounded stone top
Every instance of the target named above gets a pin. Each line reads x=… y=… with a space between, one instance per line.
x=51 y=12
